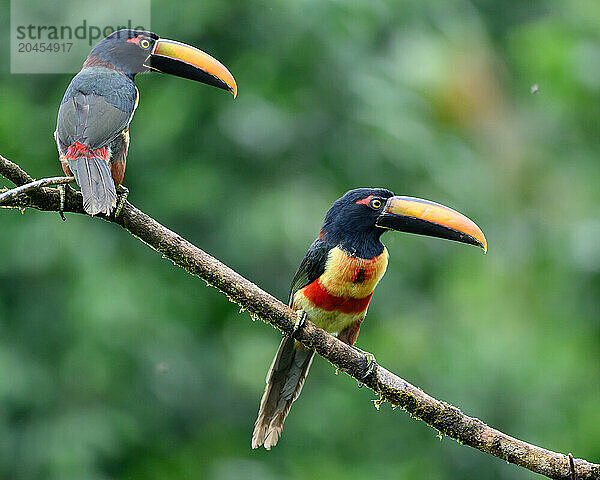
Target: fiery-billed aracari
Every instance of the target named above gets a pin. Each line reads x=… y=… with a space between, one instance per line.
x=92 y=131
x=336 y=279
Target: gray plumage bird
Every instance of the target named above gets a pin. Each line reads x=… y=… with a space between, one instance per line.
x=92 y=131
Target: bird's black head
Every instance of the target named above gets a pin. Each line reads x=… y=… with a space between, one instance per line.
x=356 y=221
x=137 y=51
x=126 y=50
x=352 y=221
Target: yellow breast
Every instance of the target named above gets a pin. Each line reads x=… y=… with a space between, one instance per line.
x=349 y=276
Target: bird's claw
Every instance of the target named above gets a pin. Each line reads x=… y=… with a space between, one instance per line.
x=62 y=190
x=122 y=198
x=300 y=320
x=61 y=205
x=371 y=364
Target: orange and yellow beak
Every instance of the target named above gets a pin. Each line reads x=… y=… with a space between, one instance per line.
x=185 y=61
x=414 y=215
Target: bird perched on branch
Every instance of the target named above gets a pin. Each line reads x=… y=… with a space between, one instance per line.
x=92 y=131
x=336 y=280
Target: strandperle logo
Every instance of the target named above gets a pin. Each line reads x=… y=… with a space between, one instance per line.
x=50 y=33
x=57 y=36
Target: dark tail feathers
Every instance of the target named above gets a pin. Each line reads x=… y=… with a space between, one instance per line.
x=97 y=187
x=284 y=383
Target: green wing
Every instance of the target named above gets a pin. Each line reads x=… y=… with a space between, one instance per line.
x=311 y=267
x=96 y=108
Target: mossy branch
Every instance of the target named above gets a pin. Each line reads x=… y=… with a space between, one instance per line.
x=44 y=182
x=440 y=415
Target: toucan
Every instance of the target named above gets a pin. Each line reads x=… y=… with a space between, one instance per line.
x=92 y=131
x=336 y=280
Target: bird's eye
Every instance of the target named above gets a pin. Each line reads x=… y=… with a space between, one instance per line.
x=144 y=43
x=376 y=204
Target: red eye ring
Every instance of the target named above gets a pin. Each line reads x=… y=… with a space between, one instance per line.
x=372 y=202
x=135 y=40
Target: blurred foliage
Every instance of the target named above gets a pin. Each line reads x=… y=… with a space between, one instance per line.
x=114 y=364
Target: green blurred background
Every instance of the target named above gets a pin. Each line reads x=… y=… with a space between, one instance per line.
x=115 y=364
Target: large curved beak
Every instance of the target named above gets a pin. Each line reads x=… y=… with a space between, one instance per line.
x=186 y=61
x=414 y=215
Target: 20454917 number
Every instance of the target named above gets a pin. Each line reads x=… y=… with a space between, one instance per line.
x=50 y=47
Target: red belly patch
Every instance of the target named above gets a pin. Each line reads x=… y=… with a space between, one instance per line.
x=321 y=298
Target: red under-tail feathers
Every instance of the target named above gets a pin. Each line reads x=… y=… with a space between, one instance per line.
x=92 y=174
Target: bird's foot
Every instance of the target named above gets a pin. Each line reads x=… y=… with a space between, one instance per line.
x=371 y=364
x=123 y=193
x=300 y=320
x=62 y=190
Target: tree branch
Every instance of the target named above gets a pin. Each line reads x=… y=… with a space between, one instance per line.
x=44 y=182
x=440 y=415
